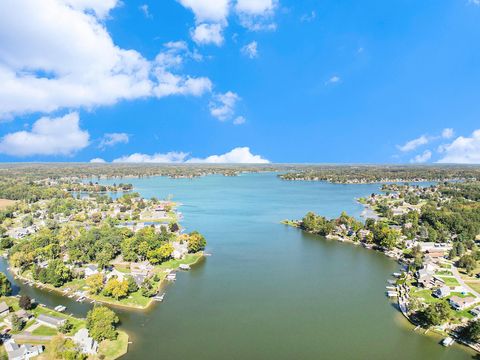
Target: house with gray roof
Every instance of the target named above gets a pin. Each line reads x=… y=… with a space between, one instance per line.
x=50 y=321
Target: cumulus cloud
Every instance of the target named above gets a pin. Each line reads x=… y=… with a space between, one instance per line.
x=413 y=144
x=170 y=83
x=58 y=54
x=208 y=10
x=170 y=157
x=205 y=34
x=422 y=158
x=236 y=156
x=447 y=133
x=97 y=161
x=239 y=155
x=222 y=106
x=463 y=150
x=48 y=136
x=112 y=139
x=250 y=50
x=256 y=15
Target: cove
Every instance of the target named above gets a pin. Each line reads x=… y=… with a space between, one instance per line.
x=269 y=291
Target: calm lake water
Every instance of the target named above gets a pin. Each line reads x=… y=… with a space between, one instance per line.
x=269 y=291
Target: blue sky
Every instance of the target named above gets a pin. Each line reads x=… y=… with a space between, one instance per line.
x=203 y=80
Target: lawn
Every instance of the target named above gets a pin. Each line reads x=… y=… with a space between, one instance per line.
x=44 y=331
x=444 y=272
x=5 y=203
x=475 y=285
x=110 y=350
x=449 y=281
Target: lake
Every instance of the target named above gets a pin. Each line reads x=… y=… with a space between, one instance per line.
x=269 y=291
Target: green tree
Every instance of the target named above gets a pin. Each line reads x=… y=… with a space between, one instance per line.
x=196 y=242
x=116 y=288
x=101 y=323
x=95 y=283
x=437 y=313
x=5 y=286
x=25 y=302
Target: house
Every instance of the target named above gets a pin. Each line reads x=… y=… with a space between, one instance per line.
x=459 y=303
x=91 y=270
x=180 y=250
x=21 y=352
x=427 y=281
x=139 y=279
x=475 y=311
x=115 y=273
x=85 y=343
x=4 y=309
x=141 y=268
x=442 y=292
x=50 y=321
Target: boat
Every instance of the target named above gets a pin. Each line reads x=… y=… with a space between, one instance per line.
x=392 y=294
x=184 y=267
x=390 y=287
x=171 y=277
x=60 y=308
x=159 y=298
x=396 y=274
x=448 y=341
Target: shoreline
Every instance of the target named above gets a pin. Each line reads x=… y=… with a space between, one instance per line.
x=60 y=291
x=405 y=316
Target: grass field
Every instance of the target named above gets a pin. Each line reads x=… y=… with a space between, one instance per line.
x=44 y=331
x=5 y=203
x=110 y=350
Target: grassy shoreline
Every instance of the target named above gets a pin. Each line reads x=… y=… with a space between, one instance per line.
x=191 y=260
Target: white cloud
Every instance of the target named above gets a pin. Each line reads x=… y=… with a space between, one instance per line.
x=205 y=34
x=333 y=80
x=256 y=15
x=413 y=144
x=208 y=10
x=97 y=161
x=169 y=83
x=463 y=150
x=238 y=155
x=250 y=50
x=58 y=54
x=222 y=106
x=447 y=133
x=422 y=158
x=239 y=120
x=146 y=11
x=112 y=139
x=49 y=136
x=170 y=157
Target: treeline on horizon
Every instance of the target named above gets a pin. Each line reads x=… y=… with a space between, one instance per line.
x=332 y=173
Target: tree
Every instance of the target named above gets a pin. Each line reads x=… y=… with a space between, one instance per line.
x=196 y=242
x=61 y=347
x=25 y=302
x=95 y=283
x=5 y=286
x=473 y=331
x=436 y=313
x=132 y=285
x=116 y=288
x=17 y=323
x=101 y=323
x=66 y=327
x=467 y=262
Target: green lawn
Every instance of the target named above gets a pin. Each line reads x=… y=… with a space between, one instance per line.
x=449 y=281
x=110 y=350
x=44 y=331
x=444 y=272
x=474 y=285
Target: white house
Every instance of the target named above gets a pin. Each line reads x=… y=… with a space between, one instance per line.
x=91 y=270
x=442 y=292
x=21 y=352
x=459 y=303
x=86 y=344
x=50 y=321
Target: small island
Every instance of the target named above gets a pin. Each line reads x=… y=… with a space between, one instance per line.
x=434 y=232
